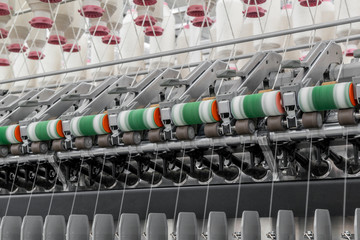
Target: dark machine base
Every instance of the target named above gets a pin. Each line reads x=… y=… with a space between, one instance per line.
x=324 y=194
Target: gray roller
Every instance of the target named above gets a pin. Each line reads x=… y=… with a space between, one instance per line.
x=322 y=225
x=103 y=227
x=129 y=227
x=186 y=226
x=10 y=228
x=285 y=226
x=217 y=226
x=156 y=227
x=32 y=228
x=78 y=228
x=357 y=224
x=250 y=226
x=54 y=228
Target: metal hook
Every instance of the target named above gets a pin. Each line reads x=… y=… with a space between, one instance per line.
x=271 y=235
x=347 y=235
x=237 y=235
x=309 y=235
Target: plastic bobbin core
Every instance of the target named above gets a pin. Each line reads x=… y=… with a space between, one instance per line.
x=254 y=12
x=111 y=39
x=195 y=11
x=41 y=22
x=145 y=21
x=145 y=2
x=4 y=62
x=310 y=3
x=91 y=11
x=36 y=55
x=154 y=31
x=202 y=22
x=3 y=33
x=99 y=31
x=71 y=47
x=16 y=48
x=57 y=40
x=350 y=52
x=4 y=9
x=50 y=1
x=254 y=2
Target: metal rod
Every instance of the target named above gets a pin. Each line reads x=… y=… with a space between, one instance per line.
x=244 y=56
x=29 y=9
x=191 y=49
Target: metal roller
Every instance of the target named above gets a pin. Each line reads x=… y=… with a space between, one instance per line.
x=312 y=120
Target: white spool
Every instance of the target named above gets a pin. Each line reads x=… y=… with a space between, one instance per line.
x=303 y=16
x=75 y=30
x=182 y=41
x=20 y=30
x=22 y=66
x=115 y=24
x=347 y=9
x=229 y=21
x=62 y=22
x=165 y=42
x=328 y=14
x=158 y=13
x=5 y=74
x=212 y=54
x=51 y=62
x=99 y=26
x=36 y=42
x=271 y=22
x=195 y=38
x=77 y=59
x=288 y=41
x=101 y=53
x=132 y=43
x=247 y=47
x=41 y=14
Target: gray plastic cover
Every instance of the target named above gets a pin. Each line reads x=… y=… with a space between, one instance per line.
x=10 y=228
x=32 y=228
x=129 y=227
x=156 y=227
x=250 y=226
x=78 y=228
x=186 y=226
x=54 y=227
x=322 y=225
x=103 y=227
x=357 y=224
x=217 y=226
x=285 y=225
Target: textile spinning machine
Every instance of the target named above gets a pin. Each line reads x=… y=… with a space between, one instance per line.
x=134 y=120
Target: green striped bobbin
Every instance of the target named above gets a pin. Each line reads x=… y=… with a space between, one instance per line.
x=45 y=131
x=183 y=114
x=10 y=135
x=326 y=97
x=257 y=105
x=90 y=125
x=139 y=119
